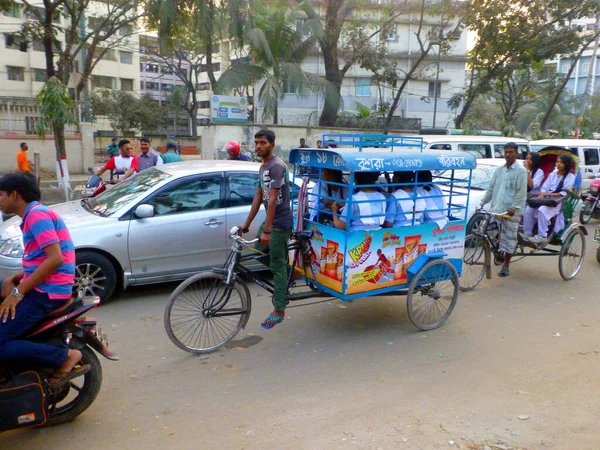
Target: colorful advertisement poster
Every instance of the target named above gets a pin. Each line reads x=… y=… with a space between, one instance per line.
x=228 y=109
x=362 y=261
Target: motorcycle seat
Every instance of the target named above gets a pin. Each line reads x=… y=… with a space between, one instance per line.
x=71 y=305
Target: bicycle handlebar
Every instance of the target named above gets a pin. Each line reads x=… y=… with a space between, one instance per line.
x=503 y=215
x=233 y=234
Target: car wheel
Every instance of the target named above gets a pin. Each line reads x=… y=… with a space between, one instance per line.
x=94 y=275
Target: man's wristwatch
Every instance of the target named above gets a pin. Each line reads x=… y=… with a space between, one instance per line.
x=15 y=292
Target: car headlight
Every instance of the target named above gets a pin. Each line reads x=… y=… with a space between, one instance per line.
x=12 y=247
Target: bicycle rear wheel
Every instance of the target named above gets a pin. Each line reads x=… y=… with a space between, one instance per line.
x=476 y=261
x=203 y=314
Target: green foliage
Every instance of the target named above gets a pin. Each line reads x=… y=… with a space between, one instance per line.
x=6 y=5
x=56 y=108
x=128 y=113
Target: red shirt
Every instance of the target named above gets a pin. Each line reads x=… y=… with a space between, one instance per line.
x=122 y=165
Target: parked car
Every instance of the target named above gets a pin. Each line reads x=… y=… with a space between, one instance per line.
x=482 y=147
x=165 y=224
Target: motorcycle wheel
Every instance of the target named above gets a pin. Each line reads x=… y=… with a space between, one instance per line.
x=587 y=211
x=69 y=401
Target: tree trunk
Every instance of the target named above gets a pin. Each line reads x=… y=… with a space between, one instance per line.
x=333 y=74
x=461 y=117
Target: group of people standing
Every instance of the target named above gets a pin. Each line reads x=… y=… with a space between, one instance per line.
x=124 y=164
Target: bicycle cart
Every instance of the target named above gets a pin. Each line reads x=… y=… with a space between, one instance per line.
x=421 y=260
x=482 y=247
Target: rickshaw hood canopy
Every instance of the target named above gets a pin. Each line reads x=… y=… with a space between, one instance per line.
x=376 y=159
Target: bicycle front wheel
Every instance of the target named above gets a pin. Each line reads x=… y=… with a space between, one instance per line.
x=203 y=313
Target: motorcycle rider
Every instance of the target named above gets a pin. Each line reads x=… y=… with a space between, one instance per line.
x=125 y=165
x=45 y=284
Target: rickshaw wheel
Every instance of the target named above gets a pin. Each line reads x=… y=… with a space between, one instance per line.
x=476 y=260
x=572 y=253
x=203 y=313
x=432 y=294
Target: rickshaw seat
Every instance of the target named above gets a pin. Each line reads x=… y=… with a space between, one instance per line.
x=303 y=235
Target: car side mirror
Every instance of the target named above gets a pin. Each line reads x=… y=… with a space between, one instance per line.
x=144 y=211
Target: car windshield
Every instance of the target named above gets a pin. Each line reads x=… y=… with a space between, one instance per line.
x=481 y=176
x=114 y=198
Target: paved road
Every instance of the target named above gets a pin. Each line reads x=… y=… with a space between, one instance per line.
x=337 y=376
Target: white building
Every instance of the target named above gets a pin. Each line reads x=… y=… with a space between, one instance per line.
x=23 y=69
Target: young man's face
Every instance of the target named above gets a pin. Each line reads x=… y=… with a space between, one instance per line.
x=7 y=202
x=145 y=146
x=263 y=147
x=126 y=150
x=25 y=148
x=510 y=155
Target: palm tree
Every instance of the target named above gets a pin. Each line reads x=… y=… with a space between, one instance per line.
x=277 y=49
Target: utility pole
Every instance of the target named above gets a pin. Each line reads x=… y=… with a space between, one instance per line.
x=437 y=93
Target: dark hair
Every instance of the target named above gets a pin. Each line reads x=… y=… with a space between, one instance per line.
x=319 y=141
x=145 y=139
x=303 y=139
x=268 y=134
x=404 y=176
x=114 y=139
x=511 y=145
x=425 y=176
x=23 y=184
x=536 y=160
x=122 y=142
x=567 y=160
x=365 y=178
x=23 y=144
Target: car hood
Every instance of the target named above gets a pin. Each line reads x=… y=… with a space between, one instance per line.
x=73 y=214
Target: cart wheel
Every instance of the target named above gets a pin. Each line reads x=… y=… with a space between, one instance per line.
x=476 y=261
x=572 y=253
x=432 y=294
x=203 y=314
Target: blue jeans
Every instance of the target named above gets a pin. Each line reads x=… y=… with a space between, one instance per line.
x=29 y=312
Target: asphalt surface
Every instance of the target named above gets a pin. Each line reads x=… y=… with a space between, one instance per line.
x=515 y=366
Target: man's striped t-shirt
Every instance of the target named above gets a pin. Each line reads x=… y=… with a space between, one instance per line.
x=42 y=227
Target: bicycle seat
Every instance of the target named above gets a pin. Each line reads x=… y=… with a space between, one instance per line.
x=303 y=235
x=71 y=305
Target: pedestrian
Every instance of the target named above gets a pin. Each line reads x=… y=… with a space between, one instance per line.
x=113 y=150
x=171 y=155
x=319 y=144
x=508 y=193
x=274 y=193
x=22 y=160
x=303 y=143
x=125 y=165
x=44 y=284
x=147 y=158
x=233 y=150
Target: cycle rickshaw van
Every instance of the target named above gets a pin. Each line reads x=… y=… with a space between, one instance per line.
x=350 y=264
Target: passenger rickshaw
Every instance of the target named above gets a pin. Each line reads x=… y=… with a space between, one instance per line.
x=422 y=260
x=481 y=242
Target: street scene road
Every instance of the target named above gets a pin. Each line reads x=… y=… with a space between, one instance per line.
x=513 y=367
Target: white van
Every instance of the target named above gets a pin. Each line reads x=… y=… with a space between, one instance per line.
x=587 y=150
x=478 y=146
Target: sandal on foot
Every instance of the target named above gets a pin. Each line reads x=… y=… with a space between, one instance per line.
x=271 y=321
x=64 y=377
x=504 y=272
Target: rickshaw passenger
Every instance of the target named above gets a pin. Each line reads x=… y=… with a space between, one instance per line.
x=557 y=185
x=368 y=207
x=391 y=207
x=323 y=189
x=408 y=203
x=436 y=204
x=535 y=175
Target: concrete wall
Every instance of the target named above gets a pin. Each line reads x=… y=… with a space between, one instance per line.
x=288 y=137
x=80 y=150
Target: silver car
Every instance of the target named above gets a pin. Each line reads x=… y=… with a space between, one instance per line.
x=165 y=224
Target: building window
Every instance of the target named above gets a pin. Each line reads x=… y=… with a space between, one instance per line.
x=126 y=84
x=109 y=55
x=71 y=93
x=39 y=75
x=32 y=13
x=240 y=61
x=289 y=87
x=585 y=68
x=31 y=124
x=217 y=48
x=392 y=33
x=151 y=85
x=142 y=86
x=38 y=46
x=126 y=30
x=165 y=69
x=165 y=86
x=152 y=68
x=565 y=68
x=204 y=104
x=435 y=89
x=362 y=87
x=15 y=73
x=126 y=57
x=204 y=86
x=99 y=81
x=15 y=11
x=181 y=71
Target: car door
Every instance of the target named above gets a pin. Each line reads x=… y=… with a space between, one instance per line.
x=241 y=187
x=187 y=232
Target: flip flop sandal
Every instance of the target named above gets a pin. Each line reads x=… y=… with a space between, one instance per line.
x=504 y=272
x=64 y=377
x=271 y=321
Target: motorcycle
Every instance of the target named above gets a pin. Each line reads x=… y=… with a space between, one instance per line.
x=591 y=204
x=67 y=326
x=94 y=186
